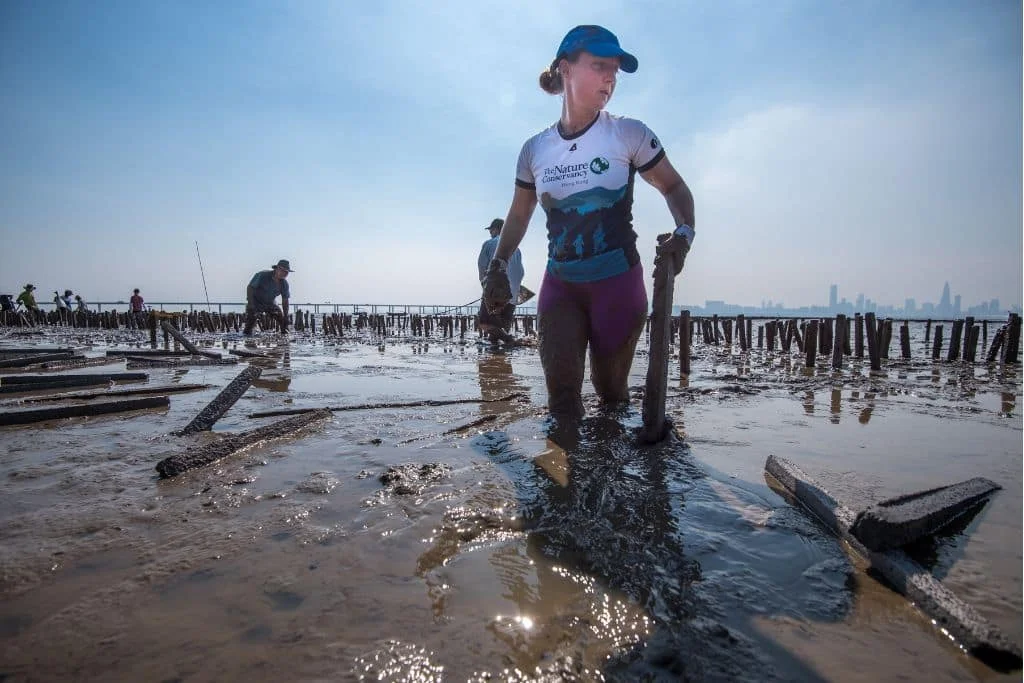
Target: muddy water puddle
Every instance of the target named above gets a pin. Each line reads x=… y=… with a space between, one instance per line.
x=378 y=546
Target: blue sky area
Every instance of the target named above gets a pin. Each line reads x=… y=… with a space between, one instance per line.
x=872 y=144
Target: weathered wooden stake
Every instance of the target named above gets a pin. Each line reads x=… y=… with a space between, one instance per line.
x=971 y=350
x=21 y=417
x=211 y=453
x=873 y=341
x=954 y=341
x=937 y=346
x=216 y=408
x=858 y=338
x=837 y=346
x=1011 y=340
x=968 y=325
x=685 y=332
x=905 y=340
x=811 y=342
x=668 y=250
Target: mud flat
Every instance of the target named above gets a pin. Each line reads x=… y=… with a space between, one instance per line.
x=558 y=551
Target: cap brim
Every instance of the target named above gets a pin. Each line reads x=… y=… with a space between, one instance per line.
x=627 y=62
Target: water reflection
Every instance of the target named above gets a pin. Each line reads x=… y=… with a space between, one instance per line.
x=271 y=378
x=835 y=406
x=1009 y=402
x=865 y=413
x=494 y=372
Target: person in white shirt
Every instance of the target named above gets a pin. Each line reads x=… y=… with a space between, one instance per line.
x=496 y=325
x=581 y=171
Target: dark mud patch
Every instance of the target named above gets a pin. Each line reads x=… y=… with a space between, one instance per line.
x=410 y=479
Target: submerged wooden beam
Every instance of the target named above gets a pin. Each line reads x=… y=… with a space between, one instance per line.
x=216 y=408
x=201 y=457
x=378 y=406
x=952 y=615
x=22 y=417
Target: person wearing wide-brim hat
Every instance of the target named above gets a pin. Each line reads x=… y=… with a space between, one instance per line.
x=581 y=169
x=27 y=298
x=264 y=287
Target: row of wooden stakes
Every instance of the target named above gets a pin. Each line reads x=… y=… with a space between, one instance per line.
x=821 y=336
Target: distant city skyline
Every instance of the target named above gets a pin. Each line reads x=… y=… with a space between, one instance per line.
x=949 y=306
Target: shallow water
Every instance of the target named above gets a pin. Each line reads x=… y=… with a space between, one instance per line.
x=527 y=550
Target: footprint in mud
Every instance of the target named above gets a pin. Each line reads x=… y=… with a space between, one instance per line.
x=284 y=600
x=257 y=634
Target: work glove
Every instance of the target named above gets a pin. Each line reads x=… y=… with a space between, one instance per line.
x=497 y=289
x=675 y=245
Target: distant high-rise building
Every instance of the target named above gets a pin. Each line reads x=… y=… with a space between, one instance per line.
x=833 y=297
x=909 y=306
x=993 y=306
x=860 y=302
x=956 y=305
x=944 y=304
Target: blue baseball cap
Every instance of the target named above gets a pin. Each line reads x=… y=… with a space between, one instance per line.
x=598 y=41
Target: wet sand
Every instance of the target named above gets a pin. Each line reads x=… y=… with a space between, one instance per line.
x=511 y=556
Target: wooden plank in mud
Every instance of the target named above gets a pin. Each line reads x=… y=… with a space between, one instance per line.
x=228 y=445
x=189 y=346
x=147 y=352
x=979 y=637
x=73 y=380
x=22 y=361
x=27 y=351
x=89 y=395
x=898 y=521
x=22 y=417
x=216 y=408
x=249 y=354
x=72 y=363
x=384 y=406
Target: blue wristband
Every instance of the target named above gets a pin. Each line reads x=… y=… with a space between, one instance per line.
x=686 y=231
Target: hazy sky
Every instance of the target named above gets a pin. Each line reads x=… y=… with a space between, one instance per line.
x=872 y=144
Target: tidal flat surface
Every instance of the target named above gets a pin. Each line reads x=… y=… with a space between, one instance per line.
x=404 y=544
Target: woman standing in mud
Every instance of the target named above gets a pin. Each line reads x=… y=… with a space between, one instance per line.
x=581 y=170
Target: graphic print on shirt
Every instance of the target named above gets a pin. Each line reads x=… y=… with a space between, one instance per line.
x=588 y=195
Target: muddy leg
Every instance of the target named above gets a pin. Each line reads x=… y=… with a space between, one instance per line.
x=610 y=374
x=562 y=333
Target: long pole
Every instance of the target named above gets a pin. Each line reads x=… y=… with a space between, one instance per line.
x=203 y=273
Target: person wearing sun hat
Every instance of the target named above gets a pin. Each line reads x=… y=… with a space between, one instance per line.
x=27 y=298
x=264 y=287
x=581 y=171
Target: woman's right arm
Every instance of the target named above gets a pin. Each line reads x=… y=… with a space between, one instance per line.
x=519 y=214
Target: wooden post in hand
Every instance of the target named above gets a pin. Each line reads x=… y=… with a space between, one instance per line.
x=670 y=251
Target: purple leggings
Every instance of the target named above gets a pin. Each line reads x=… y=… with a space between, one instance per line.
x=613 y=306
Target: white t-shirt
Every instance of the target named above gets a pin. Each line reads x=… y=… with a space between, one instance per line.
x=584 y=182
x=515 y=265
